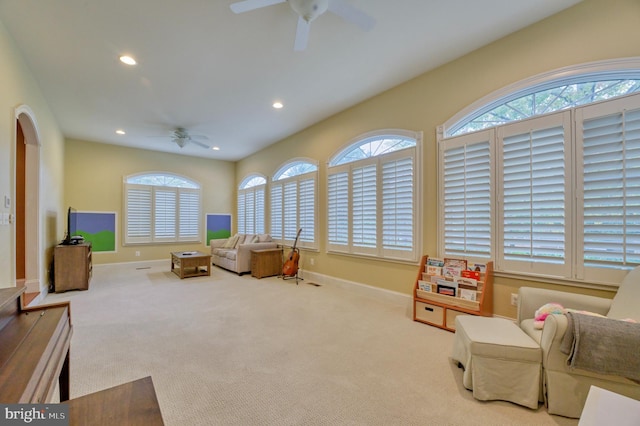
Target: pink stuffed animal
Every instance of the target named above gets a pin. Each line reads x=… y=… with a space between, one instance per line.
x=544 y=311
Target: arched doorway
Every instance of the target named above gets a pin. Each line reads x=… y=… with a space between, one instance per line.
x=27 y=190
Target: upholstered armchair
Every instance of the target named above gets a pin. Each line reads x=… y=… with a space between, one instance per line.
x=565 y=388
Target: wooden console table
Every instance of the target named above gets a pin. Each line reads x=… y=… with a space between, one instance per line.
x=189 y=263
x=266 y=263
x=130 y=404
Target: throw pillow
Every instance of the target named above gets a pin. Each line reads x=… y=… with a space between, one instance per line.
x=255 y=239
x=231 y=242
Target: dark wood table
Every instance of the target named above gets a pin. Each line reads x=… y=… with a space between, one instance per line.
x=130 y=404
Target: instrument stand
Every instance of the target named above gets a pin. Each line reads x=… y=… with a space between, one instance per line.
x=285 y=277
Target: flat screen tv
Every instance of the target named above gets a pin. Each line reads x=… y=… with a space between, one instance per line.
x=71 y=227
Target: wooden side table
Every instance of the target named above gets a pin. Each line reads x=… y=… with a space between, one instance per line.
x=266 y=263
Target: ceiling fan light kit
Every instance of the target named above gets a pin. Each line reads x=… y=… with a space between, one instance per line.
x=308 y=10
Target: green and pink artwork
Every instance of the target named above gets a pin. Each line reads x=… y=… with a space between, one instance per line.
x=218 y=226
x=99 y=228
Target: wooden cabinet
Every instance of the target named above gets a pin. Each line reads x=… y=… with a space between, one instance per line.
x=72 y=266
x=441 y=310
x=266 y=263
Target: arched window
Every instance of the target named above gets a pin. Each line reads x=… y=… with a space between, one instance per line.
x=161 y=207
x=251 y=205
x=293 y=203
x=542 y=177
x=373 y=207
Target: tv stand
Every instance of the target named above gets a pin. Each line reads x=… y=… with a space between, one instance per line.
x=72 y=266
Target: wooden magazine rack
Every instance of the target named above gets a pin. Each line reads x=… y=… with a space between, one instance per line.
x=440 y=310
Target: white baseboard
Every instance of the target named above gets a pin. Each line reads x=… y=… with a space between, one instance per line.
x=394 y=297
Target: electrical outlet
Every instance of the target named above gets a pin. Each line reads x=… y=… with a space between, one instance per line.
x=514 y=299
x=137 y=253
x=312 y=261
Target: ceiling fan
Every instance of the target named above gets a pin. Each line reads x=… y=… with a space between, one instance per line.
x=181 y=137
x=308 y=10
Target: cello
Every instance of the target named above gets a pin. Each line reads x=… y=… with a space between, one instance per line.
x=290 y=267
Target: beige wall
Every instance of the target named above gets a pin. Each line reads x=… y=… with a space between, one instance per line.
x=592 y=30
x=93 y=182
x=19 y=89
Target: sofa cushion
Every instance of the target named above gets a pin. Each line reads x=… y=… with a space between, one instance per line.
x=264 y=238
x=231 y=254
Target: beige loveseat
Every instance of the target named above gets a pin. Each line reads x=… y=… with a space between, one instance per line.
x=565 y=389
x=234 y=253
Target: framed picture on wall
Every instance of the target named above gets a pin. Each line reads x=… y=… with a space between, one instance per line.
x=98 y=228
x=218 y=226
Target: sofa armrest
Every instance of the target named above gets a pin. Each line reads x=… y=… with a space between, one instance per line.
x=555 y=326
x=530 y=299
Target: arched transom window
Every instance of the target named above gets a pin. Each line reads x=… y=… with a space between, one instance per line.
x=372 y=197
x=293 y=203
x=161 y=207
x=251 y=204
x=545 y=179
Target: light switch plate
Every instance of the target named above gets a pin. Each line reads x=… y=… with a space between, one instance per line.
x=7 y=202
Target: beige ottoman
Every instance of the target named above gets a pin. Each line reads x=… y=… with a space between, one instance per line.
x=500 y=360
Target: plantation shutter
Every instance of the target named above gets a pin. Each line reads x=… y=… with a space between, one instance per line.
x=307 y=210
x=467 y=196
x=276 y=211
x=259 y=211
x=165 y=202
x=611 y=176
x=364 y=202
x=249 y=205
x=242 y=212
x=397 y=207
x=138 y=204
x=534 y=200
x=189 y=213
x=290 y=200
x=338 y=210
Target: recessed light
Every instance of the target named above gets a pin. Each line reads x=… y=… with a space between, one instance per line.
x=120 y=132
x=216 y=148
x=277 y=105
x=127 y=60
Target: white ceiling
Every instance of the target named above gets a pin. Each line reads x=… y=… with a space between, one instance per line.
x=202 y=67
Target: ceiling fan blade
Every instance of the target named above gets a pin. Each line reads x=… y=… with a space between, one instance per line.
x=302 y=35
x=352 y=14
x=200 y=144
x=247 y=5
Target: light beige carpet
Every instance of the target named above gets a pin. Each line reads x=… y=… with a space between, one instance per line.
x=229 y=350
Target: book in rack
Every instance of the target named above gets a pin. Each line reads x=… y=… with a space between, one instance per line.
x=448 y=287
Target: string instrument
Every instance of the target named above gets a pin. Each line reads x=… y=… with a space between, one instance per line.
x=290 y=267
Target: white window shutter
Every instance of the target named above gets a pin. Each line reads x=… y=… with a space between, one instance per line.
x=338 y=210
x=138 y=204
x=467 y=206
x=164 y=214
x=290 y=211
x=276 y=211
x=189 y=214
x=534 y=203
x=364 y=204
x=242 y=212
x=259 y=211
x=307 y=210
x=398 y=210
x=610 y=137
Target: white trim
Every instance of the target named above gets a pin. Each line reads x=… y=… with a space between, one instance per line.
x=417 y=135
x=615 y=67
x=292 y=161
